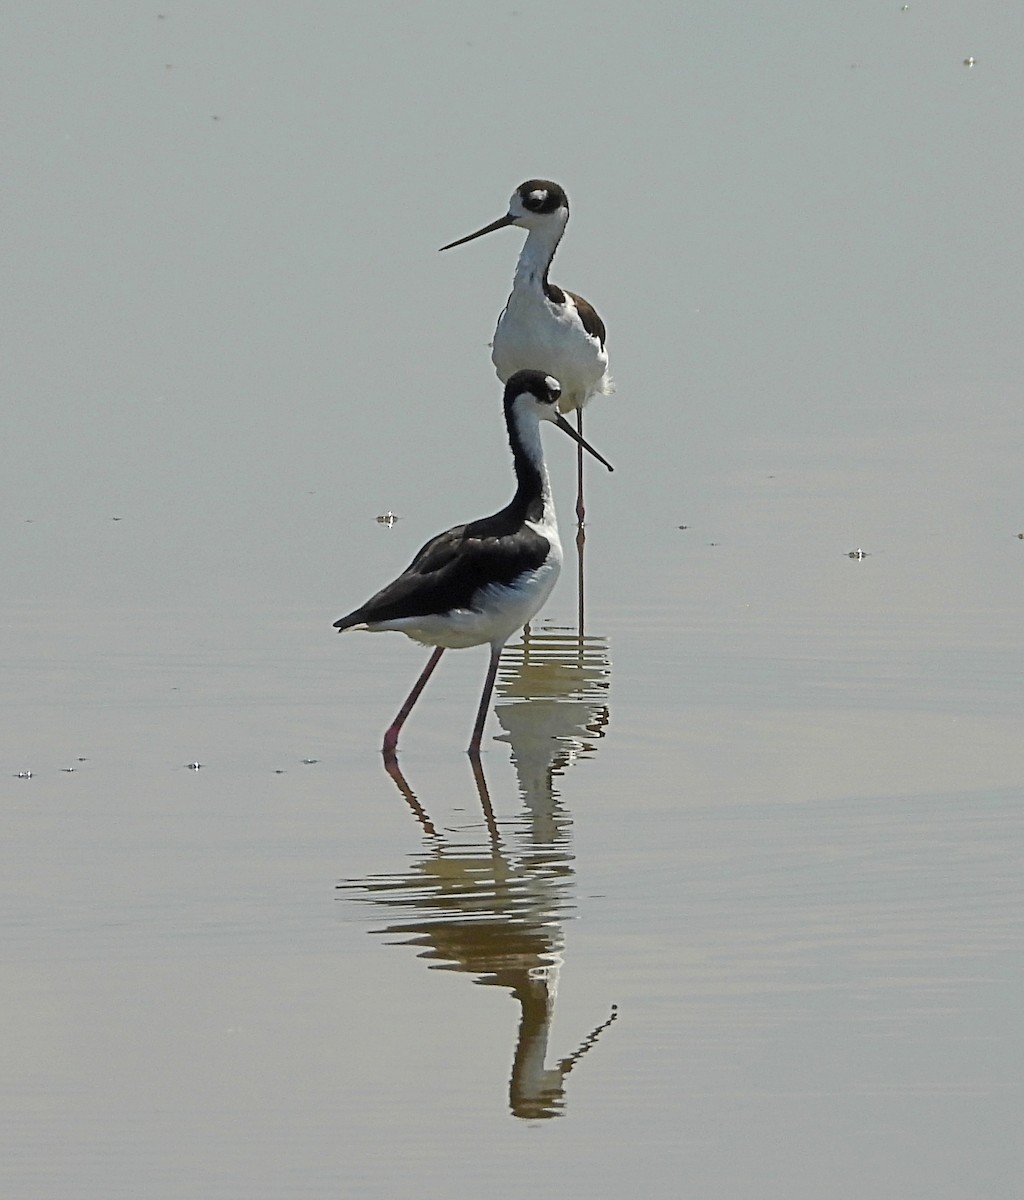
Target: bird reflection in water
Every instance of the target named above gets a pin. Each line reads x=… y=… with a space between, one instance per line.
x=490 y=899
x=553 y=704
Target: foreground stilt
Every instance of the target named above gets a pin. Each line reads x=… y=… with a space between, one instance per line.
x=476 y=583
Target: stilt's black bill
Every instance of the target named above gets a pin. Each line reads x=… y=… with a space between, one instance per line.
x=564 y=425
x=499 y=224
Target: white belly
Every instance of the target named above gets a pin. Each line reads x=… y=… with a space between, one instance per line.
x=534 y=334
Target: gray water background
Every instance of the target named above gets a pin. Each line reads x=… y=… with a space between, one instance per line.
x=769 y=808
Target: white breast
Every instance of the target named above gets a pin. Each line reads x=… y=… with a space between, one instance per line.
x=533 y=333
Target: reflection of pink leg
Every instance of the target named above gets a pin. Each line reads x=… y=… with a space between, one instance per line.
x=391 y=737
x=580 y=510
x=408 y=795
x=485 y=799
x=485 y=699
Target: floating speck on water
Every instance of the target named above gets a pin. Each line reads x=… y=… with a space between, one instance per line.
x=115 y=518
x=23 y=775
x=310 y=761
x=83 y=760
x=388 y=518
x=682 y=527
x=194 y=766
x=858 y=553
x=68 y=770
x=278 y=771
x=969 y=61
x=1021 y=536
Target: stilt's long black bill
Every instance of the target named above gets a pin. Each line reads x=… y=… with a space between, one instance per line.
x=499 y=224
x=564 y=425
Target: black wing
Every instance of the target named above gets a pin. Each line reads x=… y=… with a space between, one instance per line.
x=592 y=323
x=450 y=570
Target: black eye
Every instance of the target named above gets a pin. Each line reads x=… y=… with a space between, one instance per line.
x=535 y=201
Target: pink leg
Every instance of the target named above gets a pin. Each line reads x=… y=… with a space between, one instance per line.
x=485 y=699
x=580 y=510
x=391 y=736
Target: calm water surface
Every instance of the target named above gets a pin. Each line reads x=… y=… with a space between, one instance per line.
x=739 y=879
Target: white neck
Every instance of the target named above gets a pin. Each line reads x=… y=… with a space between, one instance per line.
x=537 y=253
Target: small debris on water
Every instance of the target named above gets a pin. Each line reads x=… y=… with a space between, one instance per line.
x=194 y=766
x=23 y=775
x=310 y=761
x=388 y=518
x=68 y=770
x=857 y=554
x=969 y=61
x=682 y=527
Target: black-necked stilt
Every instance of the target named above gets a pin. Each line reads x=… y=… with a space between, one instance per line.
x=542 y=326
x=480 y=582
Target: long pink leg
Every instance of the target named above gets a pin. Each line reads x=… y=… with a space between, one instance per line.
x=581 y=511
x=485 y=699
x=391 y=736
